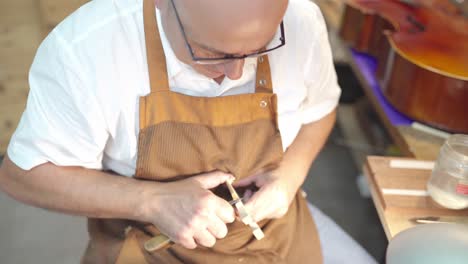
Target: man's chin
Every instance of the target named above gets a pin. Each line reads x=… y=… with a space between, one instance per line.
x=212 y=75
x=208 y=73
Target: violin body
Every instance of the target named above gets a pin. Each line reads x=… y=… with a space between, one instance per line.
x=362 y=29
x=422 y=57
x=428 y=97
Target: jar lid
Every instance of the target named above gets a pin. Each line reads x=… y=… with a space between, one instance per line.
x=457 y=145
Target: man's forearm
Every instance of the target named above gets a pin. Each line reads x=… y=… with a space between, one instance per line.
x=305 y=148
x=92 y=193
x=75 y=190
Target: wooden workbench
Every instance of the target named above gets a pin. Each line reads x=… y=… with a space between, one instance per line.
x=400 y=194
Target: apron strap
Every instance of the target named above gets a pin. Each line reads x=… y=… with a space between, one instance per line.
x=263 y=82
x=154 y=50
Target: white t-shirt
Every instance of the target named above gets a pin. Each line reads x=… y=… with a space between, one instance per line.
x=90 y=71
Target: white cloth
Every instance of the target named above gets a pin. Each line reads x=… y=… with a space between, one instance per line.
x=337 y=246
x=89 y=73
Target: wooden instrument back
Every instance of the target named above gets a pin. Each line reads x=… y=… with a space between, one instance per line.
x=422 y=53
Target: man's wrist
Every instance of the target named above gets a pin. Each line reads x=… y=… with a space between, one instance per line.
x=293 y=174
x=146 y=201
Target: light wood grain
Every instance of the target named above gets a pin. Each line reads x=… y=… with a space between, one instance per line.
x=10 y=115
x=19 y=38
x=396 y=211
x=332 y=11
x=23 y=25
x=54 y=11
x=423 y=145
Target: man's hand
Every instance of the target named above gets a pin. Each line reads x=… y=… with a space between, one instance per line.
x=273 y=198
x=189 y=213
x=279 y=186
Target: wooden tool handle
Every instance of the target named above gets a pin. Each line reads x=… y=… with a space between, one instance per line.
x=158 y=242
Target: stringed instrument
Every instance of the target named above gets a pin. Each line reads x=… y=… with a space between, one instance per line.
x=422 y=53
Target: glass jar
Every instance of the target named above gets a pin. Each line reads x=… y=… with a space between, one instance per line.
x=448 y=185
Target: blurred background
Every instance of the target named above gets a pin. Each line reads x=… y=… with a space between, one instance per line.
x=335 y=183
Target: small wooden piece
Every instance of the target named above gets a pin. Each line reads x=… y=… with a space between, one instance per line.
x=243 y=214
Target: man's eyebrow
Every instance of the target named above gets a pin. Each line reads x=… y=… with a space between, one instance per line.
x=214 y=50
x=209 y=48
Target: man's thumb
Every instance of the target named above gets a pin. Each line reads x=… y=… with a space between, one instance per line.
x=212 y=179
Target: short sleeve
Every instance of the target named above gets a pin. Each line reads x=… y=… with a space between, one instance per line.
x=62 y=122
x=323 y=91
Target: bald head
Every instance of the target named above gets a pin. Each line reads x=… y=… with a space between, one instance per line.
x=233 y=26
x=222 y=26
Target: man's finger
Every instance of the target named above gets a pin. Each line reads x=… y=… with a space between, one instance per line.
x=204 y=238
x=217 y=228
x=250 y=179
x=188 y=243
x=245 y=181
x=212 y=179
x=225 y=212
x=256 y=207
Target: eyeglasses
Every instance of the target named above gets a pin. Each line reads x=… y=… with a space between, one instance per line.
x=228 y=57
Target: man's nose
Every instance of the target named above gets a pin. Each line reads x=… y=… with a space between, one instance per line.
x=233 y=69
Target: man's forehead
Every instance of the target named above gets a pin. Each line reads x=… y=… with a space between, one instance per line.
x=229 y=6
x=220 y=12
x=229 y=17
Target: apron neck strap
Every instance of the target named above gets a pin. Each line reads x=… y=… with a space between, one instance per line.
x=263 y=82
x=154 y=51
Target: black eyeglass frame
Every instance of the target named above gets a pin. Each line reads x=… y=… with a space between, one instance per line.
x=229 y=56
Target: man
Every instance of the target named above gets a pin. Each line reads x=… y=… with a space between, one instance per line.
x=183 y=105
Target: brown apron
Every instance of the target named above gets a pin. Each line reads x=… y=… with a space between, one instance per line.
x=182 y=135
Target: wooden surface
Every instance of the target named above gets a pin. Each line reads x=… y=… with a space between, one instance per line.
x=19 y=38
x=332 y=11
x=54 y=11
x=23 y=25
x=395 y=211
x=422 y=145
